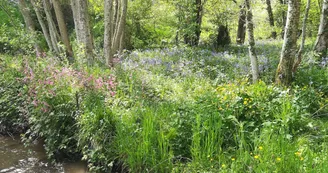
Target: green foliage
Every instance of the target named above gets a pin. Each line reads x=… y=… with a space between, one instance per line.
x=97 y=131
x=13 y=106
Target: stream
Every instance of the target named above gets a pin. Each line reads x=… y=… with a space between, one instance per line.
x=16 y=158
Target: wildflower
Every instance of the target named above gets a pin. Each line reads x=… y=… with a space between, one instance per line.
x=245 y=102
x=298 y=153
x=211 y=159
x=233 y=159
x=278 y=159
x=256 y=156
x=302 y=158
x=260 y=148
x=223 y=166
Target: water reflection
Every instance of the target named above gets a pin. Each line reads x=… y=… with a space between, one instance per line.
x=15 y=158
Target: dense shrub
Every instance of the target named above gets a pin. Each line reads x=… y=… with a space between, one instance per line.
x=13 y=106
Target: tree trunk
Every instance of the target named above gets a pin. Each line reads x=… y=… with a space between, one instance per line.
x=285 y=68
x=36 y=5
x=299 y=53
x=108 y=32
x=120 y=27
x=76 y=15
x=251 y=42
x=321 y=43
x=198 y=22
x=62 y=28
x=271 y=19
x=283 y=15
x=29 y=22
x=241 y=32
x=52 y=27
x=84 y=32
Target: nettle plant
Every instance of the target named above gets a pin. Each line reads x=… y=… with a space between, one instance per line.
x=56 y=93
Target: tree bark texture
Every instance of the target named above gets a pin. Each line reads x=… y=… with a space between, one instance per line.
x=62 y=27
x=241 y=32
x=29 y=22
x=82 y=28
x=284 y=73
x=271 y=19
x=300 y=51
x=115 y=21
x=52 y=27
x=283 y=15
x=321 y=43
x=251 y=42
x=199 y=18
x=76 y=19
x=37 y=8
x=108 y=29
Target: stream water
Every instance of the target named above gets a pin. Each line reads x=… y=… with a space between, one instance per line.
x=16 y=158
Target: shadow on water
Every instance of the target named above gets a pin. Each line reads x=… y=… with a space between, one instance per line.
x=16 y=158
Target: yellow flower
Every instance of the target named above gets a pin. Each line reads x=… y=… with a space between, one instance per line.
x=211 y=159
x=298 y=153
x=301 y=158
x=256 y=156
x=223 y=166
x=245 y=102
x=278 y=159
x=260 y=148
x=233 y=159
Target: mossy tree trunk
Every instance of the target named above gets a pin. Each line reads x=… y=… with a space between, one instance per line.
x=284 y=74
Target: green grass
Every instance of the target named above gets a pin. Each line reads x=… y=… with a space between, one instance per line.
x=194 y=110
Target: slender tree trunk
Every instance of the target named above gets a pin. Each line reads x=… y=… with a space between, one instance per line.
x=321 y=43
x=36 y=5
x=271 y=19
x=241 y=32
x=52 y=27
x=300 y=51
x=251 y=42
x=29 y=22
x=120 y=27
x=121 y=47
x=198 y=22
x=108 y=32
x=285 y=68
x=62 y=28
x=76 y=15
x=283 y=15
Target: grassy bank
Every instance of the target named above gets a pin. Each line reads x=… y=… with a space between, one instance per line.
x=171 y=110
